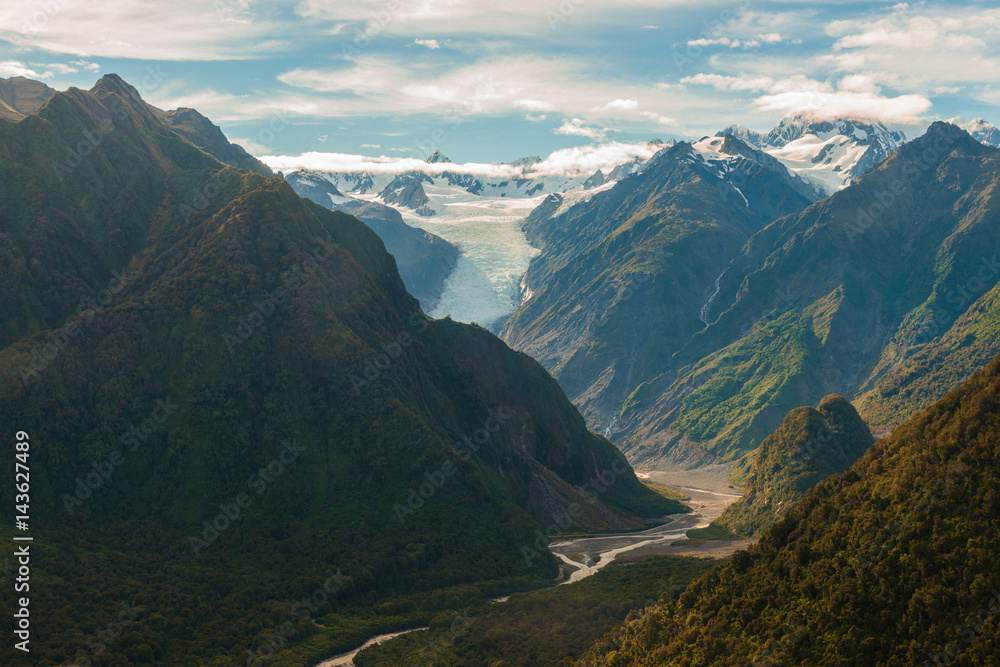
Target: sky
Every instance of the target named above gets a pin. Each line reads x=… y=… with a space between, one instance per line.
x=487 y=82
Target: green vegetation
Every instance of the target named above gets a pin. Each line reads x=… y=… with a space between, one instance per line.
x=637 y=261
x=550 y=627
x=934 y=367
x=824 y=301
x=890 y=563
x=264 y=320
x=666 y=491
x=809 y=446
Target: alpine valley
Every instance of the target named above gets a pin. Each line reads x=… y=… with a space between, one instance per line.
x=721 y=400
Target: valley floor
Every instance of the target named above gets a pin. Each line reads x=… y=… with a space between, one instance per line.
x=710 y=493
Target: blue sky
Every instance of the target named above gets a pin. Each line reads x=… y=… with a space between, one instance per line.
x=491 y=82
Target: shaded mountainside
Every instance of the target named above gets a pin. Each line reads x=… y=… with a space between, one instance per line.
x=843 y=298
x=890 y=563
x=810 y=445
x=230 y=396
x=625 y=278
x=939 y=364
x=424 y=260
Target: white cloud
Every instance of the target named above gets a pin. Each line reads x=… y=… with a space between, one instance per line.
x=853 y=96
x=140 y=29
x=371 y=146
x=723 y=82
x=621 y=105
x=581 y=161
x=504 y=85
x=585 y=160
x=926 y=46
x=579 y=127
x=662 y=120
x=705 y=41
x=343 y=162
x=429 y=43
x=514 y=17
x=14 y=68
x=650 y=27
x=533 y=105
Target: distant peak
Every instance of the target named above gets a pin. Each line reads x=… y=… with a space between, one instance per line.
x=526 y=161
x=437 y=157
x=941 y=128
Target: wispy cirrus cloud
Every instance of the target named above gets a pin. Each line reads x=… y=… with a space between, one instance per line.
x=142 y=29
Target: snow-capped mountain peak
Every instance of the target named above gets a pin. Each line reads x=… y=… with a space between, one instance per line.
x=437 y=157
x=980 y=129
x=830 y=154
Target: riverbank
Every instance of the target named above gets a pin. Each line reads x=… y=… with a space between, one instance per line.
x=709 y=494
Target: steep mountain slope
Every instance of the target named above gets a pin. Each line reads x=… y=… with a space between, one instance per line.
x=937 y=363
x=207 y=136
x=408 y=191
x=424 y=260
x=891 y=563
x=830 y=300
x=20 y=97
x=8 y=113
x=627 y=276
x=809 y=446
x=254 y=410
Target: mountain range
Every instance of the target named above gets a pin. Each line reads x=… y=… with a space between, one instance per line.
x=264 y=422
x=852 y=294
x=233 y=402
x=424 y=260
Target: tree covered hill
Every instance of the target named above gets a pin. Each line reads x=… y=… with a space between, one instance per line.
x=890 y=563
x=234 y=405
